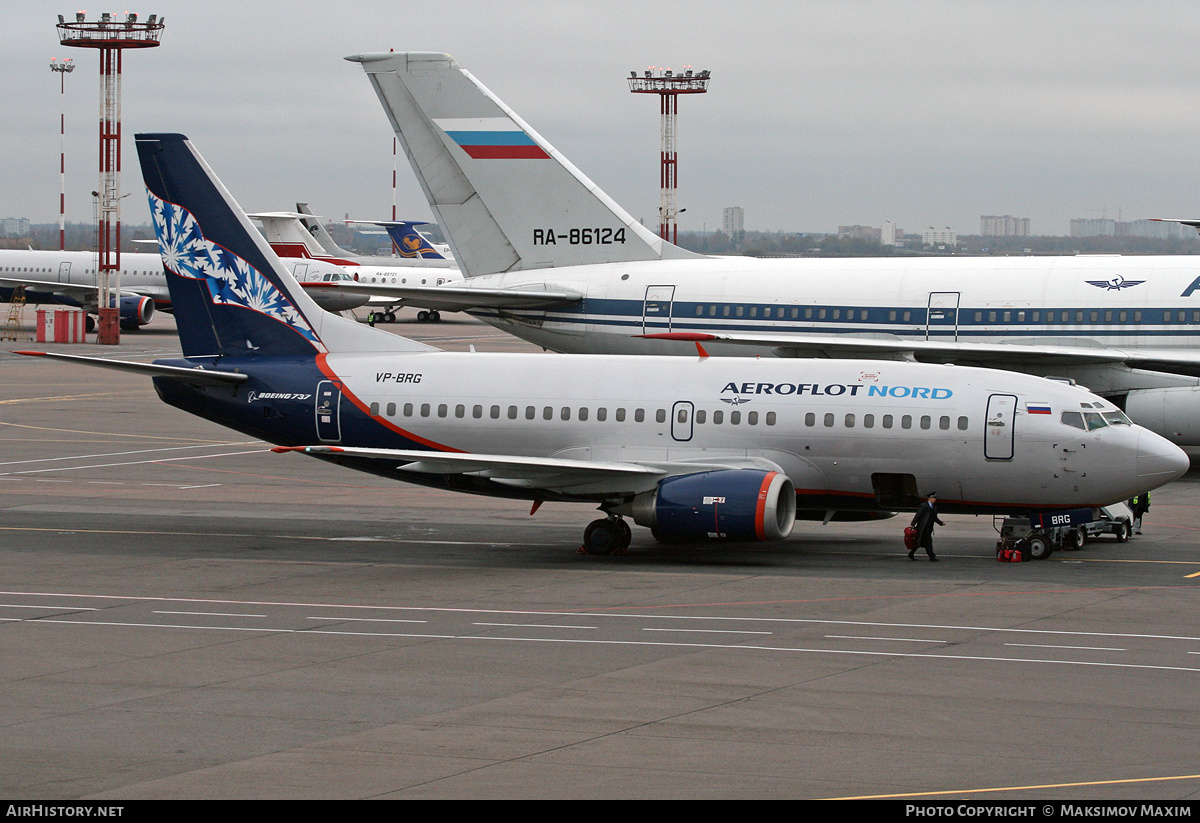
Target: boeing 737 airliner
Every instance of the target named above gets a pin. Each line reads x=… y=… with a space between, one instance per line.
x=520 y=217
x=695 y=448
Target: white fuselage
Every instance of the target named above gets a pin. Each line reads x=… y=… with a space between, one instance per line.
x=838 y=429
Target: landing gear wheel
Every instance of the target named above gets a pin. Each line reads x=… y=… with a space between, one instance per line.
x=1074 y=540
x=389 y=317
x=423 y=316
x=89 y=324
x=605 y=537
x=435 y=317
x=1039 y=547
x=1123 y=531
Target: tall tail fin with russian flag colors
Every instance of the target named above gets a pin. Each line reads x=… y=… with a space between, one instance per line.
x=506 y=198
x=230 y=293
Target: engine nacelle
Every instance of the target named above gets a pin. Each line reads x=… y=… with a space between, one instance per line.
x=135 y=311
x=1172 y=412
x=736 y=504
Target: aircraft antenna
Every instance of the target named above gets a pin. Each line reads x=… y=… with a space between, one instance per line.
x=668 y=85
x=111 y=35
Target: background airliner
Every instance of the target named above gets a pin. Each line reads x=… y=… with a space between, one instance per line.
x=68 y=278
x=692 y=448
x=519 y=216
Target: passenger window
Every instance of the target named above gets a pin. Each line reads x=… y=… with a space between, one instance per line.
x=829 y=420
x=583 y=413
x=944 y=423
x=547 y=412
x=639 y=415
x=770 y=418
x=460 y=411
x=718 y=417
x=601 y=414
x=496 y=412
x=868 y=421
x=849 y=421
x=424 y=409
x=512 y=412
x=962 y=424
x=682 y=416
x=752 y=418
x=374 y=409
x=443 y=410
x=660 y=416
x=391 y=409
x=477 y=412
x=887 y=421
x=926 y=421
x=620 y=415
x=906 y=421
x=810 y=419
x=565 y=414
x=408 y=409
x=735 y=417
x=530 y=412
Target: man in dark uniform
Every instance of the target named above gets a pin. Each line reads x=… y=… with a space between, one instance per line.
x=923 y=522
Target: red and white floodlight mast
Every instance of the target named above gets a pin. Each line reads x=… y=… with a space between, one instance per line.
x=668 y=86
x=111 y=37
x=63 y=67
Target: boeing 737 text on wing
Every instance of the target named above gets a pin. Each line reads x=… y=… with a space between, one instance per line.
x=519 y=220
x=696 y=448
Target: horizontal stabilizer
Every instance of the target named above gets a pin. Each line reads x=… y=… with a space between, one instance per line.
x=195 y=374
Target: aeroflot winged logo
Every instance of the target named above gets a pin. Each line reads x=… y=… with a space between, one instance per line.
x=231 y=280
x=491 y=138
x=1115 y=284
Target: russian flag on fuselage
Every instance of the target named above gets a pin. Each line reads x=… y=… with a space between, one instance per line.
x=491 y=138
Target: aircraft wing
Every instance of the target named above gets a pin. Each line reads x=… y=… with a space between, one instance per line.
x=454 y=298
x=1017 y=354
x=545 y=473
x=80 y=293
x=549 y=474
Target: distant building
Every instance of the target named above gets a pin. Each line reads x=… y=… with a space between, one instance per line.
x=1093 y=227
x=859 y=233
x=1156 y=229
x=14 y=227
x=991 y=225
x=939 y=237
x=891 y=234
x=733 y=221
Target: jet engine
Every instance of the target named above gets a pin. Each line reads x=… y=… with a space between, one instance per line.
x=1172 y=412
x=735 y=504
x=135 y=311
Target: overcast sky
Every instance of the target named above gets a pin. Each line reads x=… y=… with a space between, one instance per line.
x=819 y=114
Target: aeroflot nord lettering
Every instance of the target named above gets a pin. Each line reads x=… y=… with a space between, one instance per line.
x=839 y=389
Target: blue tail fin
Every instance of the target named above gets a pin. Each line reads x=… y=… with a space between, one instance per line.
x=230 y=293
x=409 y=241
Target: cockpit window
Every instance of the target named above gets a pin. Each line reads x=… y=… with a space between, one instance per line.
x=1094 y=420
x=1073 y=418
x=1117 y=418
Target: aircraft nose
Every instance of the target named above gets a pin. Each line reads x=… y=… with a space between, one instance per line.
x=1159 y=461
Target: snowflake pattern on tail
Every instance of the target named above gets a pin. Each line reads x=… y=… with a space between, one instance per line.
x=231 y=280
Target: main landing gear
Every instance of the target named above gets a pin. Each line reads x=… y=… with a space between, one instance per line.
x=610 y=535
x=431 y=316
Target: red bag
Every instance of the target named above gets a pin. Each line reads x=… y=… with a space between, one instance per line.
x=910 y=537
